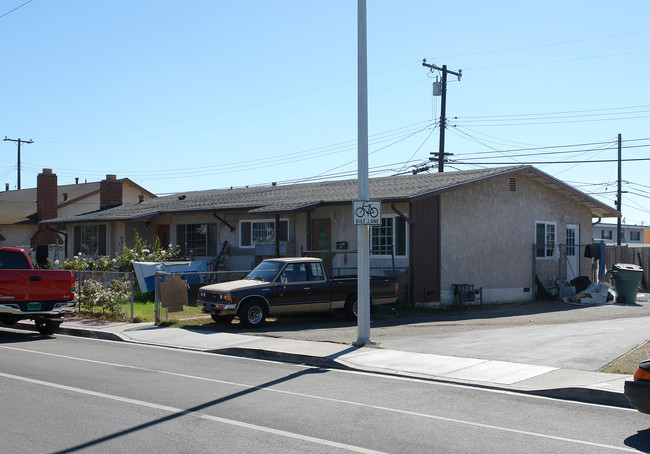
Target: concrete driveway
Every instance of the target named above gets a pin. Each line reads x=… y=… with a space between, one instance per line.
x=546 y=334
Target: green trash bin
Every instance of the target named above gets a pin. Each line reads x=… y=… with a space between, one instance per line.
x=626 y=280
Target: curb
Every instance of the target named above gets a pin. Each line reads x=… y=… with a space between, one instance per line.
x=575 y=394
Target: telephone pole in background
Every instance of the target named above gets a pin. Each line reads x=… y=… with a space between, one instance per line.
x=443 y=110
x=619 y=229
x=19 y=141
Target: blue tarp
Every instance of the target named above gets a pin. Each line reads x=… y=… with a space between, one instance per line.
x=145 y=272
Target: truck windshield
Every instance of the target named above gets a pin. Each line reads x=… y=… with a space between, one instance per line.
x=13 y=260
x=265 y=271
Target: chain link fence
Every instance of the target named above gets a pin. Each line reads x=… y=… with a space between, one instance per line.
x=173 y=291
x=88 y=282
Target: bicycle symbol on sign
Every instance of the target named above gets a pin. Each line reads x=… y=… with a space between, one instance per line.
x=367 y=208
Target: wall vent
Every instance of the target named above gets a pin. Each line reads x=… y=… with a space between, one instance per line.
x=513 y=185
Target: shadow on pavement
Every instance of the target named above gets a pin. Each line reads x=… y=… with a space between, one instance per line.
x=389 y=316
x=640 y=441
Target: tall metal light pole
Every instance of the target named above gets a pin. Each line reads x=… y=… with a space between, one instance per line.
x=363 y=231
x=18 y=141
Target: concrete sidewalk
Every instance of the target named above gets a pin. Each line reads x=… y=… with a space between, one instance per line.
x=593 y=387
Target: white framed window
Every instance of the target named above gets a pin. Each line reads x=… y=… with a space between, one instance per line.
x=545 y=238
x=261 y=231
x=90 y=240
x=635 y=235
x=389 y=237
x=606 y=234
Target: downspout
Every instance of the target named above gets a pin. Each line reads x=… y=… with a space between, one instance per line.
x=400 y=214
x=65 y=235
x=232 y=229
x=410 y=222
x=277 y=235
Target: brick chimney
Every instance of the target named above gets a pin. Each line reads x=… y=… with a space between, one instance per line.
x=110 y=192
x=46 y=195
x=46 y=208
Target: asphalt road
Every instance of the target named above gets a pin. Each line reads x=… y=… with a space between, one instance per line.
x=66 y=394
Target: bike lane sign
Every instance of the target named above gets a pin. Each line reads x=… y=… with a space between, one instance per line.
x=366 y=212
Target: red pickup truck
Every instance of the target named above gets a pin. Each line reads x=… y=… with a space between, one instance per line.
x=40 y=295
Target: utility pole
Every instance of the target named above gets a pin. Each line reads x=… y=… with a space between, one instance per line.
x=19 y=141
x=443 y=110
x=619 y=229
x=363 y=231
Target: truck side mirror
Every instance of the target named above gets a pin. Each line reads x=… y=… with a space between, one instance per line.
x=283 y=279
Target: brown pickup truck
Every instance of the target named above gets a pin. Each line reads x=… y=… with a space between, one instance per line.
x=40 y=295
x=289 y=285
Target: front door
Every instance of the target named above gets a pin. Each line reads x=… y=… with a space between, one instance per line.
x=572 y=251
x=321 y=239
x=162 y=232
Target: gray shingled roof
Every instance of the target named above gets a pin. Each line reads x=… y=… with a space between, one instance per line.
x=20 y=205
x=14 y=212
x=297 y=197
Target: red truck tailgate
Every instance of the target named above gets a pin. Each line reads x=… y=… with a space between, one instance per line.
x=36 y=285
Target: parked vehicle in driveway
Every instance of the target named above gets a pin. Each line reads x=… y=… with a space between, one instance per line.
x=40 y=295
x=289 y=285
x=637 y=390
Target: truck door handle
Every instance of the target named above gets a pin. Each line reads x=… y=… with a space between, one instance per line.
x=34 y=278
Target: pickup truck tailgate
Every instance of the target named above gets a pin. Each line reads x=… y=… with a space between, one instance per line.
x=36 y=285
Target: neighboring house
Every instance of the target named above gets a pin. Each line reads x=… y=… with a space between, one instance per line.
x=630 y=234
x=22 y=210
x=474 y=227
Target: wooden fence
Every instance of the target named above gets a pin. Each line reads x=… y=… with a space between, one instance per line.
x=637 y=255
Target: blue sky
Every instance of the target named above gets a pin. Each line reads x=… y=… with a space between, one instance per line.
x=193 y=95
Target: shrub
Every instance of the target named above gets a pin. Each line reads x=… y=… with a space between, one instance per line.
x=143 y=252
x=94 y=297
x=77 y=263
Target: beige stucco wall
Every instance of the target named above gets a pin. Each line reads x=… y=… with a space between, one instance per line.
x=488 y=232
x=342 y=230
x=17 y=235
x=84 y=205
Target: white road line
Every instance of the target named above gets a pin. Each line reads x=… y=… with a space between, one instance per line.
x=328 y=399
x=269 y=430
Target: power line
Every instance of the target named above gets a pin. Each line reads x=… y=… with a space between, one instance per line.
x=17 y=7
x=459 y=162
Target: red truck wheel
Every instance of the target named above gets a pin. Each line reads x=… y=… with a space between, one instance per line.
x=9 y=320
x=47 y=326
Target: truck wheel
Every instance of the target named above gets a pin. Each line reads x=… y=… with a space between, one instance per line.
x=9 y=320
x=47 y=326
x=351 y=308
x=222 y=318
x=252 y=314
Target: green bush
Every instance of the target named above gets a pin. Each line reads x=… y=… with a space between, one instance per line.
x=109 y=301
x=143 y=252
